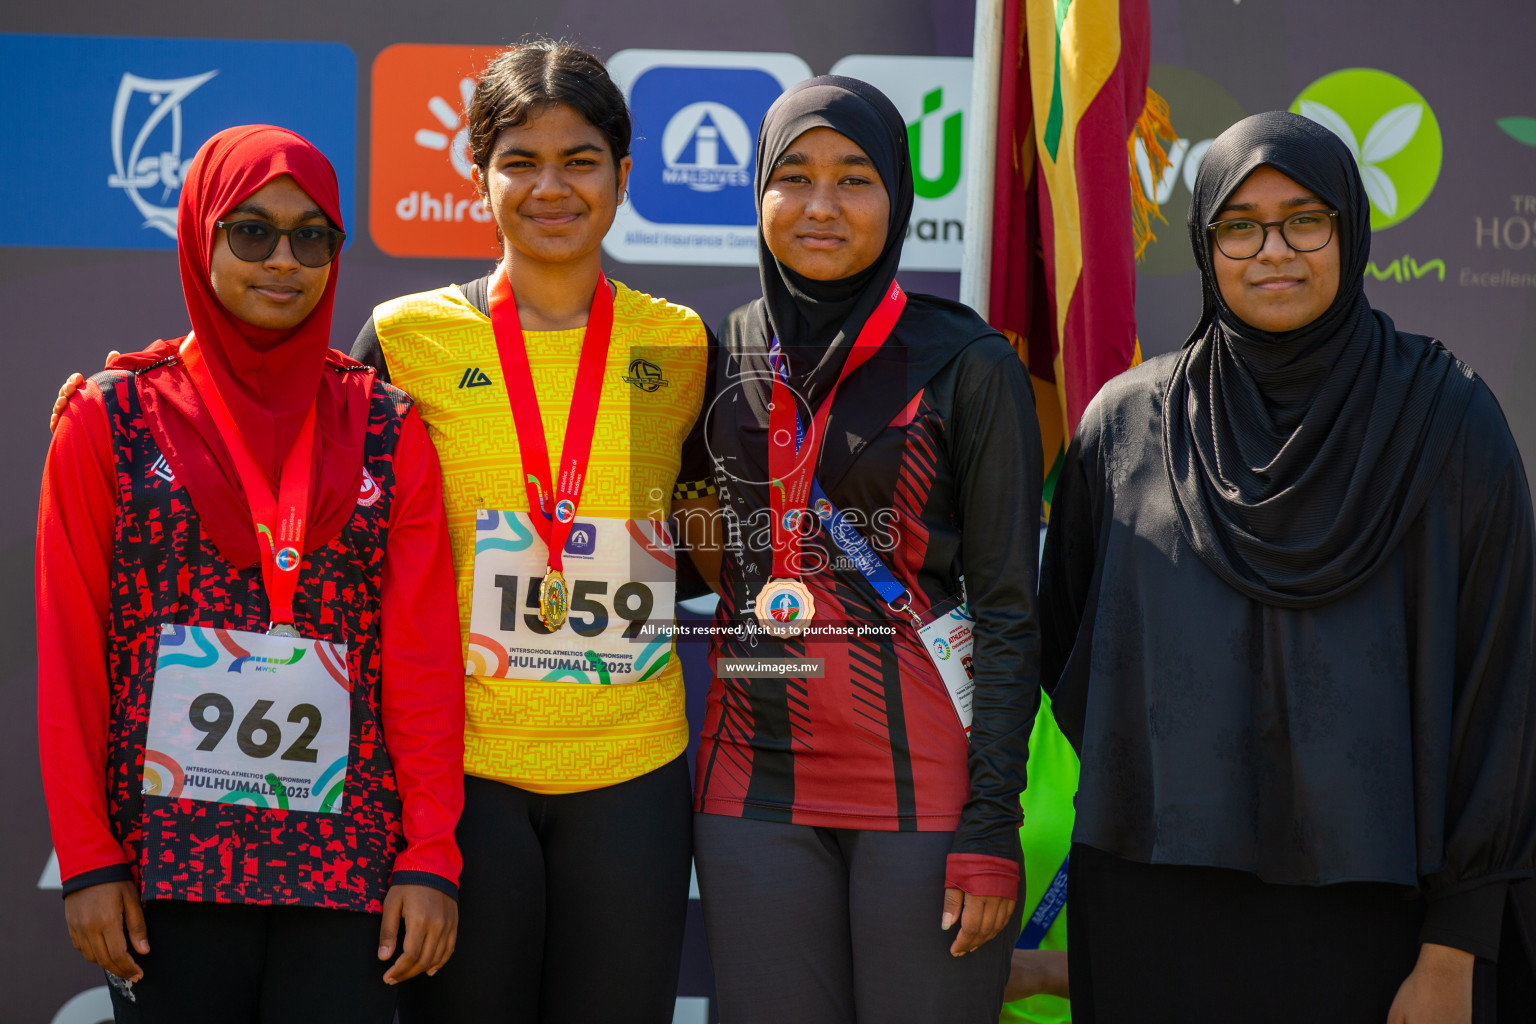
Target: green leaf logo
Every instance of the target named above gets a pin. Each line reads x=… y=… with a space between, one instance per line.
x=1391 y=131
x=1521 y=129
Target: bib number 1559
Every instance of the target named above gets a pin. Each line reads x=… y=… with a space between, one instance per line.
x=633 y=602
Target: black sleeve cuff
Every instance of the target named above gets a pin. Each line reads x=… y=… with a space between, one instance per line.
x=98 y=876
x=369 y=351
x=437 y=882
x=1470 y=919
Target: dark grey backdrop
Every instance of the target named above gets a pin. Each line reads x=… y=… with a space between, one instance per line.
x=60 y=309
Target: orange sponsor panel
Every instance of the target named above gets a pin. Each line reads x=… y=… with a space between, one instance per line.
x=421 y=201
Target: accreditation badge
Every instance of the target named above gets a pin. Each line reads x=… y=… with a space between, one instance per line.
x=948 y=639
x=249 y=718
x=620 y=586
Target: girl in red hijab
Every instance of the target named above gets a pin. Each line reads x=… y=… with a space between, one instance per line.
x=250 y=711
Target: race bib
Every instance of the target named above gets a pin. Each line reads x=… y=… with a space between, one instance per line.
x=948 y=640
x=622 y=575
x=249 y=718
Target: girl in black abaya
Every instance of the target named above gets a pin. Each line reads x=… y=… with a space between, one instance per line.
x=1289 y=612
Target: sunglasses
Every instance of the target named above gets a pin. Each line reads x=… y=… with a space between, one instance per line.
x=313 y=245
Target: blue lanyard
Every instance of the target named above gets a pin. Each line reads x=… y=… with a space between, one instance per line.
x=1052 y=901
x=841 y=529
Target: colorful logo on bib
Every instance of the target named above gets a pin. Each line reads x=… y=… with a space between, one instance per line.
x=287 y=559
x=824 y=508
x=941 y=649
x=785 y=606
x=261 y=664
x=1390 y=130
x=370 y=492
x=792 y=519
x=565 y=510
x=163 y=775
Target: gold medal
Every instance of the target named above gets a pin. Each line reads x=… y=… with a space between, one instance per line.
x=554 y=599
x=785 y=607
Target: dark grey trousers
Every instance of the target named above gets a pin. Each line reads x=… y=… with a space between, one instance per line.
x=838 y=926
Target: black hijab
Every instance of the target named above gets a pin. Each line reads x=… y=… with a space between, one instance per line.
x=1298 y=460
x=816 y=322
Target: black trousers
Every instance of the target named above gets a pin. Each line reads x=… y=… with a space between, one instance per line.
x=814 y=925
x=571 y=907
x=239 y=964
x=1165 y=944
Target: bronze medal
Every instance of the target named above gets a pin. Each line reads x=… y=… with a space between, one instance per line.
x=785 y=607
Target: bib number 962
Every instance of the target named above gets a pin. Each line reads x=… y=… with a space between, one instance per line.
x=257 y=735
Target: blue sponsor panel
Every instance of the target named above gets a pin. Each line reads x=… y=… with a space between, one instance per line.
x=102 y=129
x=696 y=117
x=695 y=154
x=583 y=540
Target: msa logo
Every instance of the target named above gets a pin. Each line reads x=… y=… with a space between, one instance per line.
x=646 y=376
x=474 y=377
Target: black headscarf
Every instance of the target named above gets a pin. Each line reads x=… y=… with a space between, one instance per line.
x=816 y=322
x=1298 y=460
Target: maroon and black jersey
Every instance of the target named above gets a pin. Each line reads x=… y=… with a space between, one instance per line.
x=936 y=457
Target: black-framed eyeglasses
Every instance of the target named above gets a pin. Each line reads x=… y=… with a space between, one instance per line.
x=313 y=245
x=1242 y=239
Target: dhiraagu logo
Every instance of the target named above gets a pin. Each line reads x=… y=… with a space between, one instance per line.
x=1391 y=131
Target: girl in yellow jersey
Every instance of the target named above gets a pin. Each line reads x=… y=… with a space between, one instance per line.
x=560 y=403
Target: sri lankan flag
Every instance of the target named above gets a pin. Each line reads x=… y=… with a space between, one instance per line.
x=1068 y=219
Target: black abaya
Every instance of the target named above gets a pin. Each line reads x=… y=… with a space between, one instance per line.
x=1339 y=694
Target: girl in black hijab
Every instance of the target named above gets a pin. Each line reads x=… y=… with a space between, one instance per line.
x=1289 y=612
x=857 y=839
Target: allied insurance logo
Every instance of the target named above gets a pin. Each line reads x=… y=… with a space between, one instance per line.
x=1390 y=129
x=696 y=114
x=421 y=201
x=135 y=111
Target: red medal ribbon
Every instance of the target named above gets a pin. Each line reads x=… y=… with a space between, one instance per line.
x=790 y=470
x=279 y=517
x=554 y=525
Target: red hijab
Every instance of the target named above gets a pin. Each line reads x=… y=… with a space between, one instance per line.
x=267 y=378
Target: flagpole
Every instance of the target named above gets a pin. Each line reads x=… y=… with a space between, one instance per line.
x=981 y=155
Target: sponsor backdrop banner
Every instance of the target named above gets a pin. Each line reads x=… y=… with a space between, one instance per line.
x=153 y=102
x=98 y=129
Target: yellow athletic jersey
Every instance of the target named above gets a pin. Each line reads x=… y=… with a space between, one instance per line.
x=554 y=737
